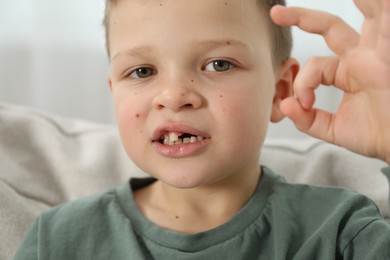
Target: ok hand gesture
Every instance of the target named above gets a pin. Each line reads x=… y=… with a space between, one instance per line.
x=361 y=69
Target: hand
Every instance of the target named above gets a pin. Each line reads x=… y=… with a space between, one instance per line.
x=361 y=69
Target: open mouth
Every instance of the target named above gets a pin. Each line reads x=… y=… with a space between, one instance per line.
x=173 y=138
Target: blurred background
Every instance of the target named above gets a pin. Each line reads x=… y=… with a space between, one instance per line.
x=52 y=57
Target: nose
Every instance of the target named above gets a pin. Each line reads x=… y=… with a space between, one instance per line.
x=177 y=95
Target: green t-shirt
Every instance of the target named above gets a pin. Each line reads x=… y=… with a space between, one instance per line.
x=280 y=221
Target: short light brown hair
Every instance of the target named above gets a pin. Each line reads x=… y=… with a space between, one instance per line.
x=281 y=37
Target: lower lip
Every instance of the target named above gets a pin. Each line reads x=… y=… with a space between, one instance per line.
x=181 y=150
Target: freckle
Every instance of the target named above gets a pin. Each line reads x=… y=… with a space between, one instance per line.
x=161 y=4
x=192 y=80
x=135 y=94
x=221 y=96
x=141 y=132
x=228 y=43
x=226 y=3
x=137 y=115
x=177 y=217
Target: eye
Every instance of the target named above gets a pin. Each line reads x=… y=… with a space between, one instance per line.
x=142 y=73
x=219 y=66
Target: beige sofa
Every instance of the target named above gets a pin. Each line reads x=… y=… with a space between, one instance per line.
x=46 y=160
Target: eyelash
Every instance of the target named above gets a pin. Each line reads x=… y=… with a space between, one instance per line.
x=139 y=69
x=135 y=74
x=213 y=63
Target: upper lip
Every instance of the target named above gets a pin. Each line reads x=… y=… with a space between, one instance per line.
x=166 y=128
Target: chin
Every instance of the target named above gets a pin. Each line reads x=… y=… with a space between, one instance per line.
x=184 y=179
x=183 y=182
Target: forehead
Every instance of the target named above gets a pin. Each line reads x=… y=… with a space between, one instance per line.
x=151 y=20
x=218 y=8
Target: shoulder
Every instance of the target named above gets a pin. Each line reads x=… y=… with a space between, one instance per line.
x=324 y=201
x=80 y=214
x=306 y=197
x=73 y=225
x=311 y=205
x=85 y=204
x=317 y=215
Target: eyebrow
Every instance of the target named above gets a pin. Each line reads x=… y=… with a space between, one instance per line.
x=136 y=52
x=204 y=44
x=213 y=44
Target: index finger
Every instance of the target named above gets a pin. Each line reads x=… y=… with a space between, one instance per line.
x=339 y=36
x=384 y=37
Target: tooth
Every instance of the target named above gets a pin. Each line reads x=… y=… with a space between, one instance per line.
x=173 y=137
x=166 y=140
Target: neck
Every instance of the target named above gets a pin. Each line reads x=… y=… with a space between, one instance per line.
x=198 y=209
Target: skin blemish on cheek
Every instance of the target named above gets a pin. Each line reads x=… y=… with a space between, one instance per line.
x=137 y=115
x=221 y=96
x=192 y=81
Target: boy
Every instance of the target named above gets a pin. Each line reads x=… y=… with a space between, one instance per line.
x=194 y=84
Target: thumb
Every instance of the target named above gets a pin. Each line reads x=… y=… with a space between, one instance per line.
x=314 y=122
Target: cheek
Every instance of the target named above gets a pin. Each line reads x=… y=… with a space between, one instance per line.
x=247 y=113
x=132 y=132
x=130 y=116
x=128 y=104
x=248 y=105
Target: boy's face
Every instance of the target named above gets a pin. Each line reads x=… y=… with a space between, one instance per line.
x=196 y=67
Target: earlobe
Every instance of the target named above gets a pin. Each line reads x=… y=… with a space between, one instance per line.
x=284 y=87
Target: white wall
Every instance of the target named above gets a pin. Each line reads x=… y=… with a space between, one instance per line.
x=52 y=57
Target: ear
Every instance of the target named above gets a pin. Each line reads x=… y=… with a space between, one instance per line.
x=284 y=86
x=110 y=83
